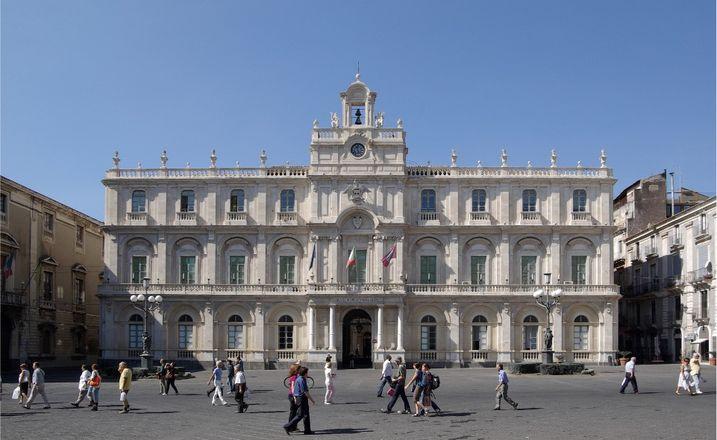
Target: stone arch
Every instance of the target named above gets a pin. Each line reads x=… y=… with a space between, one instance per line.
x=428 y=246
x=579 y=247
x=476 y=247
x=137 y=247
x=240 y=247
x=287 y=246
x=186 y=247
x=344 y=219
x=529 y=246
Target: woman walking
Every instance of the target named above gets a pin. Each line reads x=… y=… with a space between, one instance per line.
x=82 y=386
x=240 y=390
x=302 y=397
x=329 y=382
x=94 y=388
x=23 y=381
x=683 y=380
x=426 y=385
x=171 y=377
x=216 y=377
x=293 y=371
x=695 y=373
x=125 y=382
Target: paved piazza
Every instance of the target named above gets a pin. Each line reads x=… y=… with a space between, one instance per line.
x=563 y=407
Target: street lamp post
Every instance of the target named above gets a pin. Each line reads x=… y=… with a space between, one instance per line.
x=548 y=301
x=146 y=303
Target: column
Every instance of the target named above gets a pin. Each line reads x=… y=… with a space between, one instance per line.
x=261 y=275
x=160 y=273
x=557 y=318
x=210 y=273
x=505 y=344
x=379 y=327
x=258 y=343
x=310 y=315
x=608 y=345
x=399 y=328
x=454 y=334
x=207 y=347
x=504 y=260
x=332 y=327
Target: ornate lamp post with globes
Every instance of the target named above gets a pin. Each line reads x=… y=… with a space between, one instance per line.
x=548 y=301
x=146 y=303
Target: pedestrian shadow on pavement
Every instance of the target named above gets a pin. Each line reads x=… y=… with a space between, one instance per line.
x=650 y=392
x=140 y=411
x=265 y=412
x=454 y=414
x=336 y=431
x=527 y=409
x=359 y=403
x=24 y=413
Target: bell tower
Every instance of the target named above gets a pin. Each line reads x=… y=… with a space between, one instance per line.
x=357 y=105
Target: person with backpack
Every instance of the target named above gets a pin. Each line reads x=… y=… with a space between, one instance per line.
x=93 y=389
x=425 y=385
x=171 y=377
x=82 y=386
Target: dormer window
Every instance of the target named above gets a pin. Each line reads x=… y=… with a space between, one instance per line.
x=428 y=200
x=530 y=197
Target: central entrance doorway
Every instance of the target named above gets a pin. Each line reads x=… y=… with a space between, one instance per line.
x=356 y=342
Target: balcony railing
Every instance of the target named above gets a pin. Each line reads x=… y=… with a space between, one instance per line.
x=286 y=218
x=581 y=217
x=137 y=218
x=530 y=355
x=699 y=276
x=530 y=217
x=13 y=299
x=584 y=356
x=675 y=241
x=479 y=218
x=428 y=217
x=480 y=355
x=651 y=251
x=236 y=218
x=187 y=218
x=47 y=304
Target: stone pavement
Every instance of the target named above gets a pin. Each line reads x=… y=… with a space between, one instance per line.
x=552 y=407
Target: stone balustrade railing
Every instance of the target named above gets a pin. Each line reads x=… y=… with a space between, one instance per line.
x=339 y=135
x=189 y=173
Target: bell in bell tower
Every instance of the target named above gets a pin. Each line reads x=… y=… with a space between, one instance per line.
x=357 y=104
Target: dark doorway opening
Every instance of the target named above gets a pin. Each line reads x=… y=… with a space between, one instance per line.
x=356 y=342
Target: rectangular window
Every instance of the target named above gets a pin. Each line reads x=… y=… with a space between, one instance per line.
x=186 y=336
x=703 y=223
x=527 y=269
x=428 y=269
x=79 y=293
x=579 y=267
x=49 y=222
x=139 y=269
x=3 y=261
x=480 y=337
x=530 y=337
x=478 y=269
x=638 y=312
x=187 y=270
x=235 y=336
x=653 y=311
x=236 y=269
x=135 y=336
x=580 y=337
x=357 y=272
x=678 y=307
x=530 y=199
x=187 y=201
x=47 y=285
x=3 y=203
x=428 y=337
x=286 y=337
x=704 y=304
x=286 y=269
x=79 y=236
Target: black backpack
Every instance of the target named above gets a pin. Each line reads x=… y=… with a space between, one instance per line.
x=436 y=382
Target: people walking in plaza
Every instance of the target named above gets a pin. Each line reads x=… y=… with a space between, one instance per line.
x=695 y=373
x=94 y=387
x=230 y=375
x=302 y=398
x=501 y=391
x=629 y=376
x=399 y=390
x=386 y=375
x=171 y=377
x=38 y=386
x=329 y=375
x=83 y=386
x=684 y=380
x=239 y=364
x=216 y=380
x=426 y=384
x=240 y=389
x=293 y=374
x=23 y=381
x=125 y=382
x=162 y=376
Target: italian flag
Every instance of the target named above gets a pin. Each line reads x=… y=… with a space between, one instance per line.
x=352 y=258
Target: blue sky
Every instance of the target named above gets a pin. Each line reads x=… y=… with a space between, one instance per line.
x=83 y=78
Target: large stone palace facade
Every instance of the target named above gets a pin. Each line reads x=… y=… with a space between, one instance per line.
x=253 y=261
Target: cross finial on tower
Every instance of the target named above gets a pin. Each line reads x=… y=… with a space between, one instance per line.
x=358 y=70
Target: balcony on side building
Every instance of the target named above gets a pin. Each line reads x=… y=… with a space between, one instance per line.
x=530 y=218
x=702 y=275
x=187 y=218
x=287 y=218
x=137 y=218
x=479 y=218
x=428 y=218
x=236 y=218
x=580 y=218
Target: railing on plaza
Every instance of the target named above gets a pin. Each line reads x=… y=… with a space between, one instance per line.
x=481 y=355
x=584 y=356
x=426 y=356
x=287 y=355
x=530 y=355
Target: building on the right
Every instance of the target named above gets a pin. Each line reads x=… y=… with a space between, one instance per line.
x=663 y=264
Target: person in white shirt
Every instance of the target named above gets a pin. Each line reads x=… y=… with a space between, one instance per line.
x=329 y=382
x=240 y=388
x=629 y=376
x=23 y=381
x=38 y=386
x=216 y=377
x=82 y=386
x=386 y=375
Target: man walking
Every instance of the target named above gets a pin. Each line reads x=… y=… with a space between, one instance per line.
x=162 y=376
x=629 y=376
x=38 y=386
x=82 y=386
x=501 y=391
x=125 y=381
x=216 y=377
x=302 y=397
x=695 y=372
x=240 y=386
x=398 y=385
x=230 y=375
x=386 y=375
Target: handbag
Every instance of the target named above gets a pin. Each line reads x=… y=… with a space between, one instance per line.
x=16 y=393
x=391 y=391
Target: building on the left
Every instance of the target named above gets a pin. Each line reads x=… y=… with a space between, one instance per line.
x=51 y=266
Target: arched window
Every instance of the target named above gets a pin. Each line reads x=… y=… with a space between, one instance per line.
x=428 y=333
x=287 y=200
x=135 y=332
x=235 y=332
x=236 y=201
x=580 y=198
x=530 y=333
x=530 y=198
x=139 y=201
x=480 y=333
x=186 y=332
x=581 y=331
x=478 y=200
x=187 y=201
x=428 y=200
x=286 y=333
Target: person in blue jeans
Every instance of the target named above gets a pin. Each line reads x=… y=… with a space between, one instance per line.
x=301 y=397
x=399 y=390
x=417 y=381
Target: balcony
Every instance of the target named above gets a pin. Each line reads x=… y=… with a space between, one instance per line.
x=651 y=252
x=13 y=299
x=236 y=218
x=700 y=276
x=428 y=218
x=530 y=355
x=47 y=304
x=187 y=218
x=137 y=218
x=530 y=218
x=287 y=218
x=581 y=218
x=676 y=242
x=479 y=218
